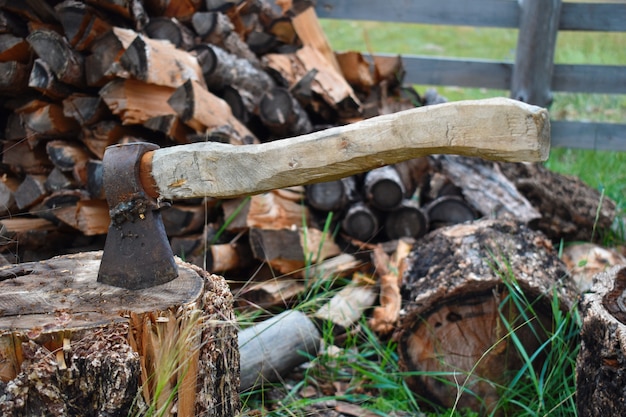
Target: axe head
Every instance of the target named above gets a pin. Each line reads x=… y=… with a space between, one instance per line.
x=137 y=253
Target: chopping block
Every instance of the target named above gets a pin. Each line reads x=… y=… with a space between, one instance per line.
x=134 y=327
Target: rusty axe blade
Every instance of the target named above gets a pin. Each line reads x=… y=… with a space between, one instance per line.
x=497 y=129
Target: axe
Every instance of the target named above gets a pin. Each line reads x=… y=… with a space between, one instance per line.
x=139 y=177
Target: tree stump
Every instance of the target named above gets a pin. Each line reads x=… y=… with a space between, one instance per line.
x=72 y=346
x=459 y=309
x=601 y=363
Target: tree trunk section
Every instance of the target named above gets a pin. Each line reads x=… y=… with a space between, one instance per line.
x=458 y=309
x=601 y=363
x=72 y=346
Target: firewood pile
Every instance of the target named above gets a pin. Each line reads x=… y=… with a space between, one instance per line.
x=78 y=76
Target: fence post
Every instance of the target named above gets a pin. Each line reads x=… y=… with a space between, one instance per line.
x=534 y=59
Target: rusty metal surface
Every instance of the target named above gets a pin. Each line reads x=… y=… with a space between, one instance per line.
x=137 y=253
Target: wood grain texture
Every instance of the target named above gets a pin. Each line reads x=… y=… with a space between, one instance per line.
x=498 y=129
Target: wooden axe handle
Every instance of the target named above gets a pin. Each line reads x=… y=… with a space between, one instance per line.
x=498 y=129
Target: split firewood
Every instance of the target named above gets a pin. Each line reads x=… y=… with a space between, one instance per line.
x=31 y=191
x=94 y=179
x=389 y=69
x=182 y=10
x=570 y=209
x=55 y=201
x=8 y=186
x=347 y=306
x=216 y=28
x=283 y=114
x=107 y=132
x=66 y=155
x=14 y=77
x=390 y=271
x=135 y=102
x=460 y=311
x=310 y=32
x=600 y=362
x=37 y=11
x=132 y=10
x=55 y=50
x=104 y=64
x=356 y=70
x=58 y=180
x=21 y=158
x=85 y=109
x=585 y=260
x=278 y=209
x=289 y=250
x=171 y=126
x=90 y=217
x=43 y=79
x=82 y=24
x=221 y=69
x=486 y=189
x=14 y=48
x=209 y=114
x=181 y=219
x=44 y=120
x=217 y=258
x=172 y=30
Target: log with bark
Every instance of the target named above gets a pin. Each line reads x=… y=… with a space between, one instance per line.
x=72 y=346
x=600 y=366
x=467 y=288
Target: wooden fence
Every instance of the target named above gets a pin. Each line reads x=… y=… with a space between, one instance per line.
x=533 y=76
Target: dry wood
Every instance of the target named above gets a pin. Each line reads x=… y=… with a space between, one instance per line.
x=14 y=48
x=570 y=209
x=85 y=109
x=311 y=34
x=14 y=77
x=459 y=307
x=111 y=358
x=218 y=258
x=273 y=347
x=217 y=29
x=31 y=191
x=135 y=102
x=222 y=68
x=8 y=186
x=485 y=188
x=289 y=250
x=356 y=70
x=180 y=219
x=67 y=155
x=585 y=260
x=448 y=210
x=209 y=114
x=132 y=10
x=347 y=306
x=360 y=222
x=383 y=188
x=104 y=62
x=105 y=133
x=469 y=128
x=81 y=23
x=277 y=210
x=406 y=220
x=55 y=50
x=90 y=217
x=45 y=120
x=332 y=195
x=21 y=158
x=172 y=30
x=283 y=114
x=43 y=79
x=600 y=362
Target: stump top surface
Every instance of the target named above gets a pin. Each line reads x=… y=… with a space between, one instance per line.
x=64 y=289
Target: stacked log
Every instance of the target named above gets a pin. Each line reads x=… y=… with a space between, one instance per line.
x=78 y=76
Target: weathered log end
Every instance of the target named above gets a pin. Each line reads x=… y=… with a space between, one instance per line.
x=601 y=362
x=72 y=346
x=460 y=285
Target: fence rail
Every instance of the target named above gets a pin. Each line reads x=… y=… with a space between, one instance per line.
x=535 y=53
